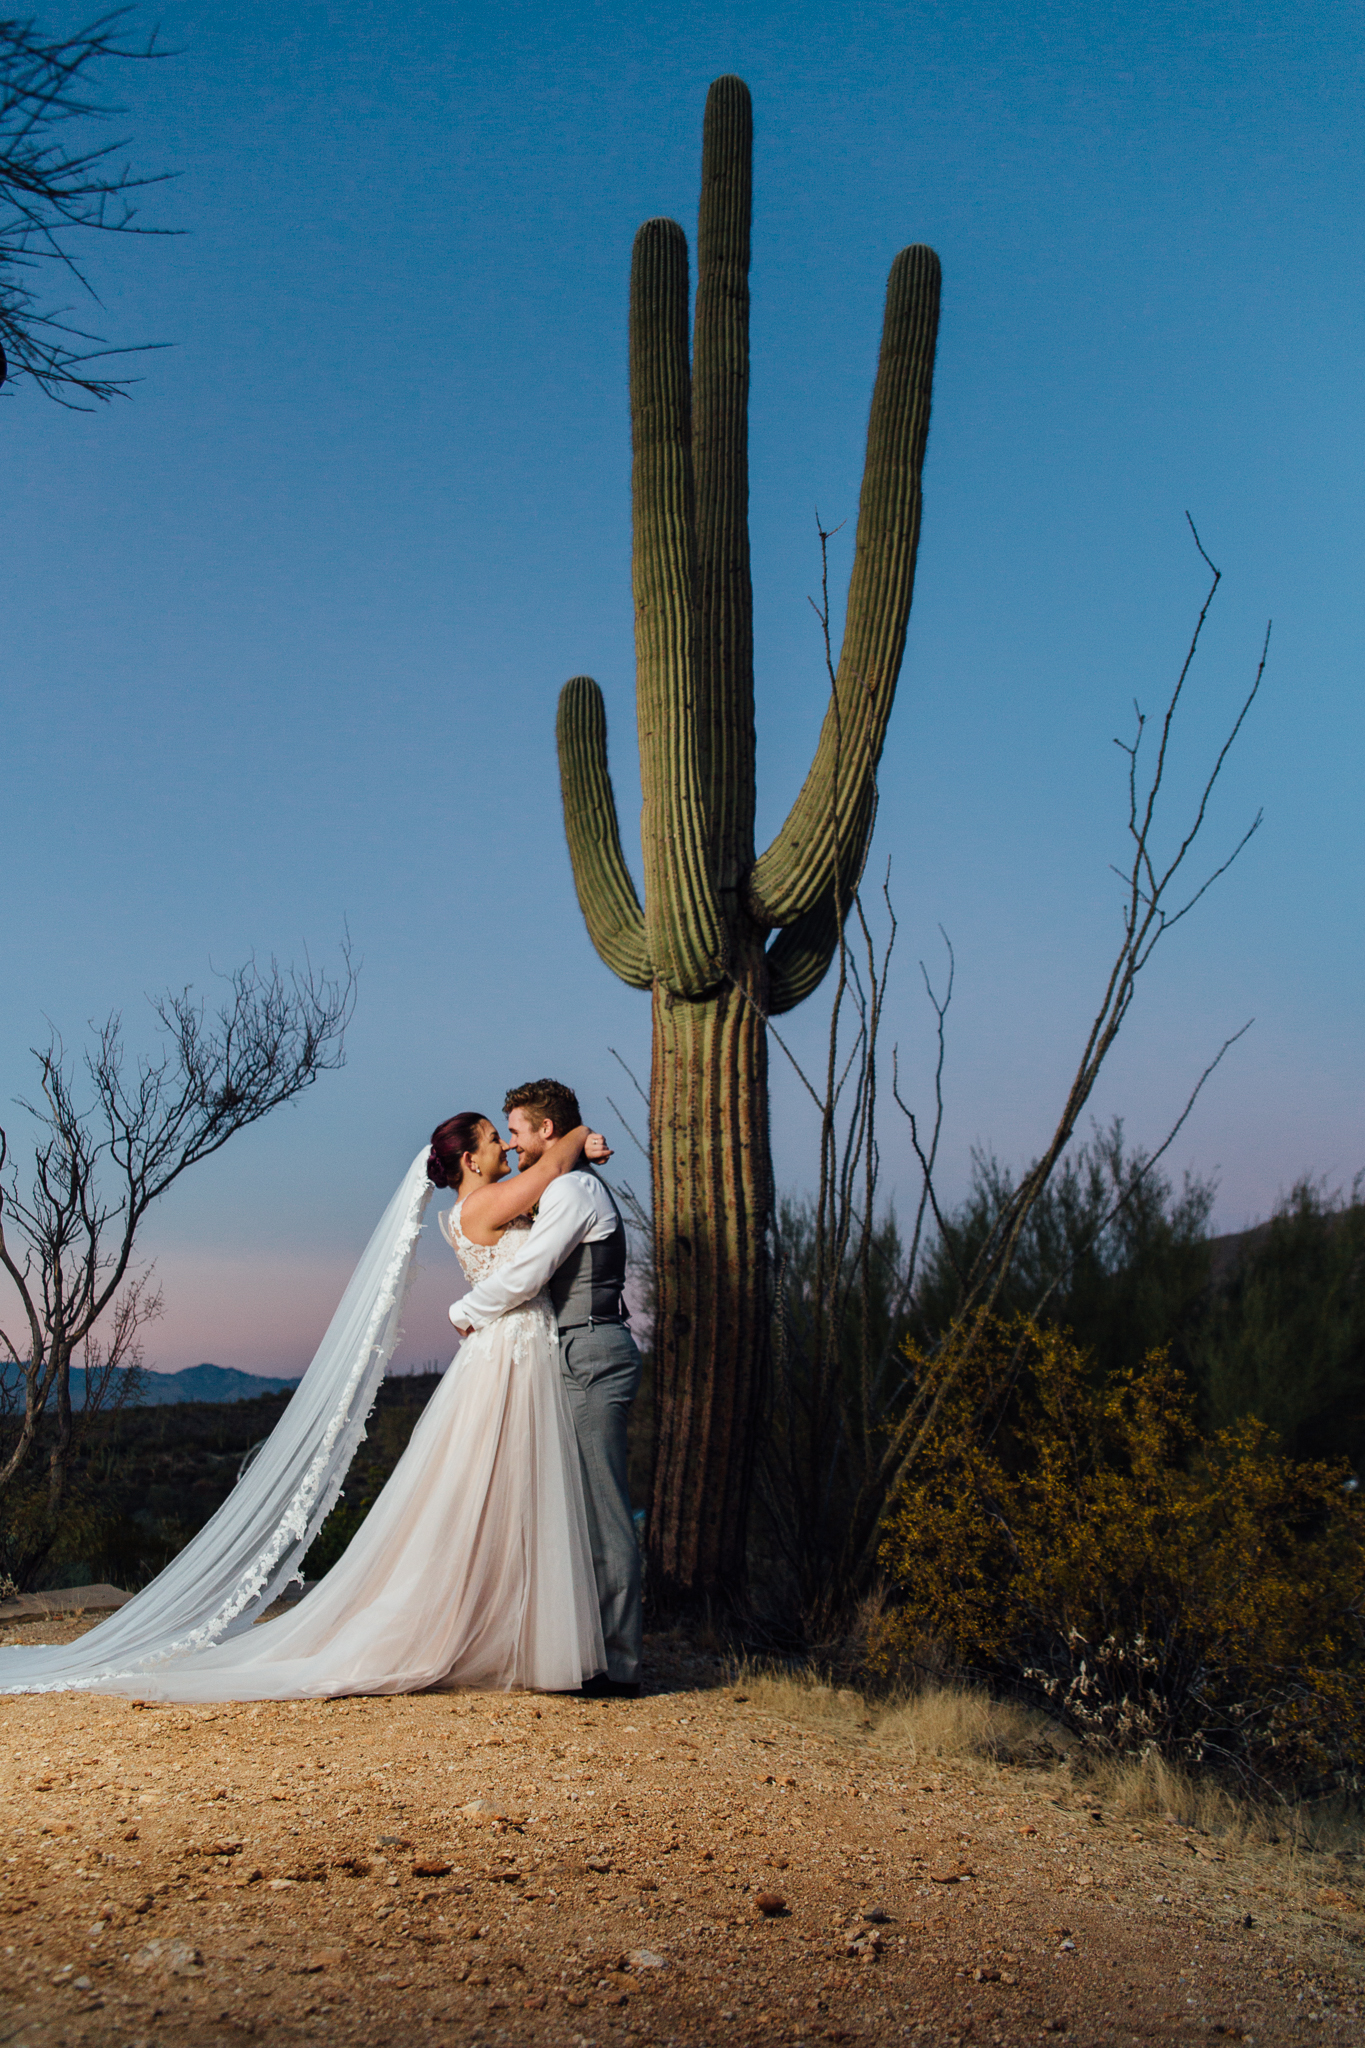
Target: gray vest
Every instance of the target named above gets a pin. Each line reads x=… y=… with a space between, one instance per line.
x=587 y=1288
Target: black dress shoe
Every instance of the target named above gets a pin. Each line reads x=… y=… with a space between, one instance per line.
x=600 y=1687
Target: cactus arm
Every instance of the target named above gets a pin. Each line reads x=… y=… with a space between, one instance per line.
x=825 y=834
x=720 y=457
x=682 y=918
x=798 y=958
x=606 y=893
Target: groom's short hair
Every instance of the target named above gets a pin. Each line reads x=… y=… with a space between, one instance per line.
x=545 y=1102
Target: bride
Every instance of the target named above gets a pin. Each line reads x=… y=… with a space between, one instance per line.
x=473 y=1567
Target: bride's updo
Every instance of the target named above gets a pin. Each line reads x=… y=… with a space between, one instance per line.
x=449 y=1143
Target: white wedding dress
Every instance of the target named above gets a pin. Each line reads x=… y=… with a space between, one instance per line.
x=473 y=1567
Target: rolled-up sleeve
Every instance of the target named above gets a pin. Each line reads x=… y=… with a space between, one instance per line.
x=567 y=1212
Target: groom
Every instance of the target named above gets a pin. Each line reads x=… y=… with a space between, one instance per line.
x=577 y=1246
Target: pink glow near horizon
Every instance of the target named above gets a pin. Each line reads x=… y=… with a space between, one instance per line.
x=265 y=1312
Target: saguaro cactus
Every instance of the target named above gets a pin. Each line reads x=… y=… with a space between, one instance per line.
x=702 y=940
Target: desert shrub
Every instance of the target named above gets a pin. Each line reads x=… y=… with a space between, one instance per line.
x=1282 y=1335
x=835 y=1380
x=1157 y=1587
x=1119 y=1253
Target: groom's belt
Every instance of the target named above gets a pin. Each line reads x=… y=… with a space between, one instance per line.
x=591 y=1322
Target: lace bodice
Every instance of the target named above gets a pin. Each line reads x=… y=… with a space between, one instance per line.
x=479 y=1260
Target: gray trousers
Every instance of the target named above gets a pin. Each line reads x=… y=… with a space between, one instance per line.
x=600 y=1366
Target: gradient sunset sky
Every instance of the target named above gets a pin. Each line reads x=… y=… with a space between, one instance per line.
x=283 y=634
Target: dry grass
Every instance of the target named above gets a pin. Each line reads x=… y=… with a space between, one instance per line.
x=804 y=1696
x=947 y=1722
x=950 y=1722
x=1147 y=1787
x=938 y=1722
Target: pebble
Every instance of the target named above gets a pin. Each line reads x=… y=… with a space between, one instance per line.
x=770 y=1904
x=179 y=1958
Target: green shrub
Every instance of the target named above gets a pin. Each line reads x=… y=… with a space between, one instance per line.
x=1158 y=1587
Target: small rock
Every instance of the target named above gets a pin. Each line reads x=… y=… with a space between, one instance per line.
x=948 y=1873
x=1054 y=2026
x=878 y=1915
x=177 y=1958
x=770 y=1904
x=494 y=1809
x=1067 y=1948
x=429 y=1866
x=646 y=1959
x=983 y=1976
x=599 y=1863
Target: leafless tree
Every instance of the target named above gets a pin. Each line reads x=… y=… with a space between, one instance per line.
x=113 y=1134
x=847 y=1418
x=52 y=195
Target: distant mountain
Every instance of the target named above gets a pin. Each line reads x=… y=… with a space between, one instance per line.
x=163 y=1389
x=207 y=1383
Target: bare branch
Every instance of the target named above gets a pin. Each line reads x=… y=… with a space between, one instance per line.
x=104 y=1154
x=50 y=193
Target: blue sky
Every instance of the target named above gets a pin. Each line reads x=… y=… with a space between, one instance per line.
x=283 y=634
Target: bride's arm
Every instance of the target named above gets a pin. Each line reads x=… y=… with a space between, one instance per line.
x=490 y=1208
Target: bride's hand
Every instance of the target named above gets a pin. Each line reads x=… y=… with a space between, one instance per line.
x=596 y=1148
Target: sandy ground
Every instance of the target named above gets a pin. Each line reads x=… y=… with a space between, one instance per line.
x=338 y=1871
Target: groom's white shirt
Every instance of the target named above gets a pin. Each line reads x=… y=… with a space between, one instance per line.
x=575 y=1209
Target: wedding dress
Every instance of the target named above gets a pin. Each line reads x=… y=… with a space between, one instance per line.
x=473 y=1567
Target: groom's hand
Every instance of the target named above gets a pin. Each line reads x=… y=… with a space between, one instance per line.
x=596 y=1149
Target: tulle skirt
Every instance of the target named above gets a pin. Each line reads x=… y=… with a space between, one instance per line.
x=473 y=1567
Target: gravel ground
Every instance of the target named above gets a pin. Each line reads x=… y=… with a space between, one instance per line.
x=705 y=1864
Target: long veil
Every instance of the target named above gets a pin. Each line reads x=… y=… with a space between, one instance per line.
x=246 y=1554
